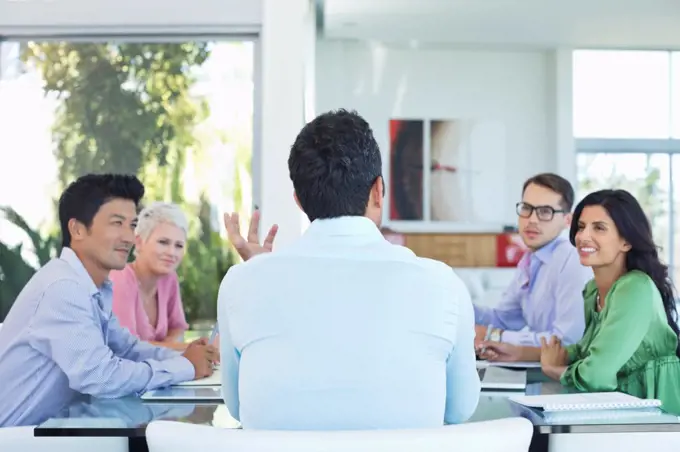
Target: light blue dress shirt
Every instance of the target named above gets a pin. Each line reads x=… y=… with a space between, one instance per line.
x=545 y=299
x=60 y=339
x=343 y=330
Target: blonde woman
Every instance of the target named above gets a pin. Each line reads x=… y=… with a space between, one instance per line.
x=146 y=297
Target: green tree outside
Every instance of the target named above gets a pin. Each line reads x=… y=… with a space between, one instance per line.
x=128 y=108
x=646 y=186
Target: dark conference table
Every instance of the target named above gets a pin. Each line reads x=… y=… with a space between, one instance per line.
x=128 y=417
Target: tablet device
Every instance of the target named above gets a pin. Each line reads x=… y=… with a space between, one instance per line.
x=184 y=394
x=499 y=378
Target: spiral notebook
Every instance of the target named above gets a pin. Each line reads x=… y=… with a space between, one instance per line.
x=640 y=415
x=585 y=401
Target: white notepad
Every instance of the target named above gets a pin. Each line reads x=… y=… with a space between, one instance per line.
x=214 y=380
x=585 y=401
x=174 y=394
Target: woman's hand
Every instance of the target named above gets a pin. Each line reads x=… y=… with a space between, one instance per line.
x=553 y=354
x=554 y=358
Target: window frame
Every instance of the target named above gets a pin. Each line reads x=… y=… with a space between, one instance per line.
x=168 y=35
x=666 y=146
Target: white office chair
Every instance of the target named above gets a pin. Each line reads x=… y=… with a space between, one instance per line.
x=21 y=439
x=505 y=435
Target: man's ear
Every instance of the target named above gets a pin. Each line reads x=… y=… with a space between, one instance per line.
x=297 y=201
x=77 y=230
x=378 y=192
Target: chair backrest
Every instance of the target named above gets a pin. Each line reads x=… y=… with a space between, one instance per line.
x=504 y=435
x=22 y=439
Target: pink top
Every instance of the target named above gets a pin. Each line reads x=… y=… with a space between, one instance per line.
x=127 y=305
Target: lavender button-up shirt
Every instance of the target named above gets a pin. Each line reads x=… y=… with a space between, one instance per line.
x=545 y=299
x=60 y=339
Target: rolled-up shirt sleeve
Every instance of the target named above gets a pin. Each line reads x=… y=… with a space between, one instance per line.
x=66 y=327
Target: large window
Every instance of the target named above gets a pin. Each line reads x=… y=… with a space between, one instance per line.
x=627 y=129
x=177 y=113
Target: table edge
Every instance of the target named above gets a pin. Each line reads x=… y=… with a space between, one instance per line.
x=608 y=428
x=140 y=432
x=133 y=432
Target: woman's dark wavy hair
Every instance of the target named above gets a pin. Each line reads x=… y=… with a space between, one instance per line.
x=634 y=227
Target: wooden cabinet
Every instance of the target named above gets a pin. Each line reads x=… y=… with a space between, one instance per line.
x=456 y=250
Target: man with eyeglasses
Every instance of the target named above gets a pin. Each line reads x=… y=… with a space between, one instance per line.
x=545 y=298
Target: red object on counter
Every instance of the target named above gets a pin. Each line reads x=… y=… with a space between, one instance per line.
x=509 y=249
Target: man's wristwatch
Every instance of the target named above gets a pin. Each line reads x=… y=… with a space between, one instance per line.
x=496 y=334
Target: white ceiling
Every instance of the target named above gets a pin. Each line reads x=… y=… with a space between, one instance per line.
x=543 y=23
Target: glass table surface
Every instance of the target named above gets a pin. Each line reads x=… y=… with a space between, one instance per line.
x=129 y=416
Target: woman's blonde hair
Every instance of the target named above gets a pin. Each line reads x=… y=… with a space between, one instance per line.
x=157 y=213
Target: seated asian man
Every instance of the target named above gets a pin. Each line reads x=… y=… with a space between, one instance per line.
x=60 y=338
x=342 y=329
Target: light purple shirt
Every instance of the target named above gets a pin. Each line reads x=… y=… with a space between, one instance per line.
x=60 y=339
x=544 y=300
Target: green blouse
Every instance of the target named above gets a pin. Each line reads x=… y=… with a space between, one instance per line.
x=629 y=346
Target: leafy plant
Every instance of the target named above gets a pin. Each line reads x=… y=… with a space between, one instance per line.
x=207 y=259
x=14 y=274
x=44 y=248
x=14 y=270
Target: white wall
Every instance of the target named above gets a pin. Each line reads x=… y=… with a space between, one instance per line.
x=519 y=88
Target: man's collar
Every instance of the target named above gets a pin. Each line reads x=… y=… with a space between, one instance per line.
x=344 y=226
x=544 y=253
x=71 y=258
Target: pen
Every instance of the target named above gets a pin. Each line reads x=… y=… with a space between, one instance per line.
x=487 y=336
x=213 y=334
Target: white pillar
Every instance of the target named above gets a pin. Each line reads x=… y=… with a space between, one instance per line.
x=565 y=149
x=286 y=49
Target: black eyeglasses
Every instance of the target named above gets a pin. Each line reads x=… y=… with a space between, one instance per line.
x=543 y=213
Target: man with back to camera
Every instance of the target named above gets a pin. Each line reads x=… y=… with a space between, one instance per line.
x=60 y=337
x=545 y=298
x=341 y=329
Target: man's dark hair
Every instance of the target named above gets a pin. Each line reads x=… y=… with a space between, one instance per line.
x=556 y=183
x=333 y=164
x=83 y=198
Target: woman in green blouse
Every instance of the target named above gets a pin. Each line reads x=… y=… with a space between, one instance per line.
x=631 y=338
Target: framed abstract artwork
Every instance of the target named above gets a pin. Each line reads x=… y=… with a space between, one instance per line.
x=445 y=175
